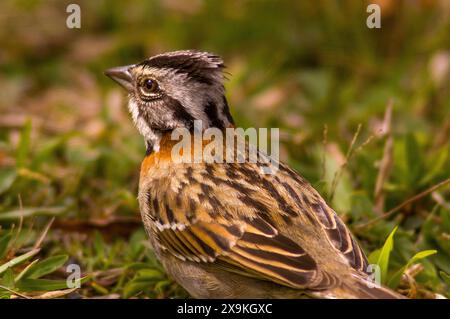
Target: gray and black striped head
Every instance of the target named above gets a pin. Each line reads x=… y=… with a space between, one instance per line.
x=171 y=90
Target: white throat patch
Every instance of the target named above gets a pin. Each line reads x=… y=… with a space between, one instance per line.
x=150 y=136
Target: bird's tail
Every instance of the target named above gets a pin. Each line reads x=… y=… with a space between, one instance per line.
x=358 y=288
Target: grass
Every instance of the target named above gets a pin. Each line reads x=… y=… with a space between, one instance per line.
x=363 y=114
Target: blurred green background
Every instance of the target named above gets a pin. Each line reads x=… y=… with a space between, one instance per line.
x=364 y=114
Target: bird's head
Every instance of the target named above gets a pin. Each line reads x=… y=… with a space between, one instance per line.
x=172 y=90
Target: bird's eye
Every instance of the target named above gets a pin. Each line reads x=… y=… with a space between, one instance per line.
x=149 y=87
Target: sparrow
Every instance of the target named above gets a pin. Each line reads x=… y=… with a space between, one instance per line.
x=227 y=229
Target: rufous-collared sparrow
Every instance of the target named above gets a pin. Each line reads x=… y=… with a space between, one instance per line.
x=227 y=230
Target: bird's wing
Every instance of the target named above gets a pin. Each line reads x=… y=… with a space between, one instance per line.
x=234 y=216
x=253 y=249
x=309 y=202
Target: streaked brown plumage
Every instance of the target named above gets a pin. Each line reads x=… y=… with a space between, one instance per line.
x=226 y=230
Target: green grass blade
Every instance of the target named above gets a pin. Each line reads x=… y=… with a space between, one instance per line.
x=4 y=242
x=383 y=258
x=34 y=211
x=18 y=260
x=25 y=271
x=28 y=284
x=46 y=266
x=24 y=144
x=7 y=178
x=395 y=279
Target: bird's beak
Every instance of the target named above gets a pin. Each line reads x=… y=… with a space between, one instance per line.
x=122 y=75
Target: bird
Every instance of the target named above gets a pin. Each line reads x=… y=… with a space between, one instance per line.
x=227 y=229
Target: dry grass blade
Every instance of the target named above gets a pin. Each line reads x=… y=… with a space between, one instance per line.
x=110 y=226
x=387 y=160
x=339 y=172
x=44 y=233
x=443 y=135
x=15 y=292
x=406 y=202
x=55 y=294
x=324 y=145
x=14 y=248
x=110 y=296
x=440 y=200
